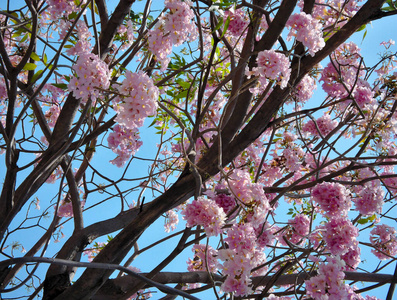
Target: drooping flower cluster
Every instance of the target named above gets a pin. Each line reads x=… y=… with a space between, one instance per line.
x=206 y=213
x=171 y=220
x=273 y=66
x=369 y=199
x=304 y=90
x=340 y=235
x=137 y=99
x=384 y=239
x=204 y=259
x=228 y=203
x=307 y=30
x=256 y=205
x=61 y=8
x=333 y=199
x=241 y=256
x=52 y=114
x=329 y=284
x=324 y=126
x=65 y=208
x=172 y=29
x=124 y=142
x=238 y=22
x=92 y=76
x=297 y=231
x=83 y=34
x=340 y=76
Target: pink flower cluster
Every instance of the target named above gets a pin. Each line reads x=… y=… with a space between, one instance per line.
x=329 y=284
x=265 y=234
x=340 y=235
x=333 y=199
x=172 y=29
x=251 y=194
x=369 y=199
x=304 y=90
x=297 y=230
x=171 y=220
x=307 y=30
x=92 y=76
x=340 y=76
x=273 y=66
x=228 y=203
x=384 y=239
x=324 y=124
x=137 y=99
x=124 y=142
x=363 y=95
x=52 y=114
x=65 y=208
x=204 y=259
x=241 y=256
x=206 y=213
x=238 y=22
x=61 y=8
x=83 y=34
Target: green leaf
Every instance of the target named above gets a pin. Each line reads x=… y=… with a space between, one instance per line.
x=63 y=86
x=182 y=94
x=37 y=75
x=226 y=26
x=218 y=25
x=45 y=58
x=29 y=67
x=24 y=38
x=34 y=56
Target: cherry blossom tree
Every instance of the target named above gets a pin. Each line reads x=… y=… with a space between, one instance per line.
x=272 y=190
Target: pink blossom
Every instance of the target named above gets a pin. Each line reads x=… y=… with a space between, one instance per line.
x=329 y=284
x=352 y=257
x=173 y=28
x=137 y=99
x=388 y=44
x=206 y=213
x=369 y=200
x=383 y=238
x=55 y=175
x=171 y=220
x=363 y=95
x=306 y=30
x=204 y=259
x=340 y=235
x=65 y=208
x=240 y=258
x=333 y=199
x=274 y=66
x=124 y=142
x=265 y=234
x=52 y=115
x=61 y=8
x=241 y=238
x=297 y=231
x=92 y=76
x=227 y=202
x=305 y=88
x=324 y=126
x=238 y=22
x=251 y=194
